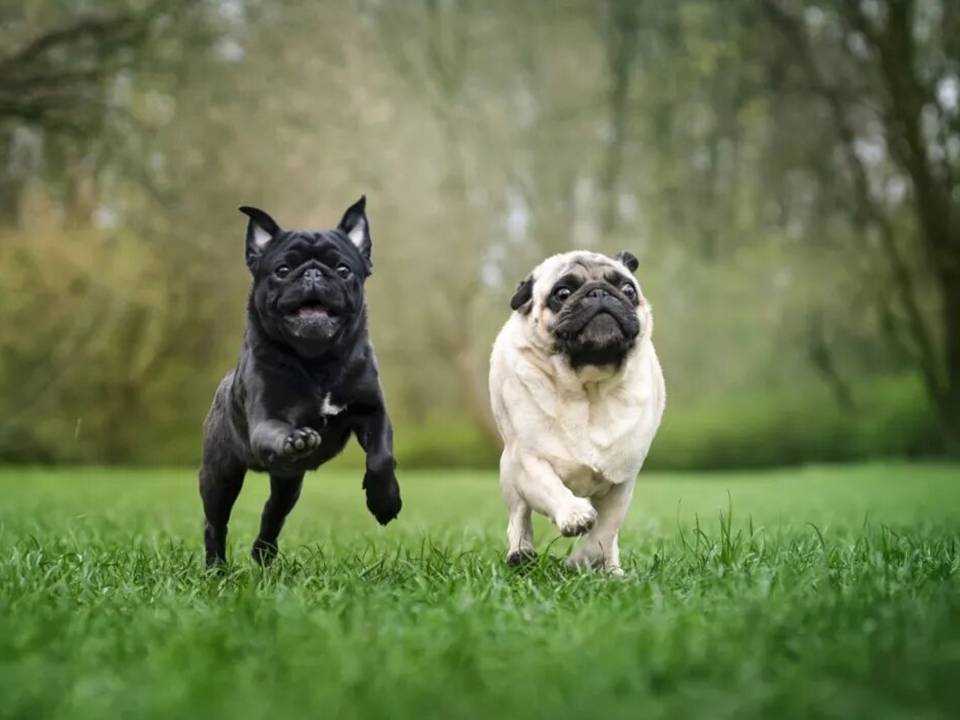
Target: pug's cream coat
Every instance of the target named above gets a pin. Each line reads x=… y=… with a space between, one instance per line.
x=574 y=439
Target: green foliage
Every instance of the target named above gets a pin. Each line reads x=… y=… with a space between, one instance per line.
x=81 y=335
x=446 y=443
x=746 y=596
x=692 y=133
x=890 y=418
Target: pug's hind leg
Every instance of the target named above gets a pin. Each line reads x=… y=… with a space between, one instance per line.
x=600 y=548
x=220 y=484
x=519 y=524
x=284 y=493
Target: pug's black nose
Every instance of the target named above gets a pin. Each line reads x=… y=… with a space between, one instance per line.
x=597 y=293
x=312 y=276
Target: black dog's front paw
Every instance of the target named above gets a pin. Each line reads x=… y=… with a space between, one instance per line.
x=300 y=442
x=383 y=497
x=285 y=452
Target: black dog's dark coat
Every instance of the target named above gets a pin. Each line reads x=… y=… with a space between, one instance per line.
x=306 y=379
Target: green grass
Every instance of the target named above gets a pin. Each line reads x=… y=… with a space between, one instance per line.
x=830 y=592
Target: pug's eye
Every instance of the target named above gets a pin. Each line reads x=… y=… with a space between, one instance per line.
x=282 y=271
x=344 y=271
x=629 y=290
x=562 y=294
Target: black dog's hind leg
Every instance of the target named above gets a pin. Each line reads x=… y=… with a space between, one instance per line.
x=284 y=493
x=219 y=487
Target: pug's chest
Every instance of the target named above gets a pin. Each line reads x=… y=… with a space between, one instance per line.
x=600 y=444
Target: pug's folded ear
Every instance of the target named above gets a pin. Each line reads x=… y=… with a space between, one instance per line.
x=522 y=299
x=260 y=231
x=628 y=259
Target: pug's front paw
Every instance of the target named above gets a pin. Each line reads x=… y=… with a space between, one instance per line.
x=577 y=518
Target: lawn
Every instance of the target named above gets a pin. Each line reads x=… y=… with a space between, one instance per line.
x=830 y=592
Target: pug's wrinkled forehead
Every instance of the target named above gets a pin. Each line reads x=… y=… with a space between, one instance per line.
x=588 y=266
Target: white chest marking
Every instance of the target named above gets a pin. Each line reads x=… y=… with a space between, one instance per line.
x=328 y=408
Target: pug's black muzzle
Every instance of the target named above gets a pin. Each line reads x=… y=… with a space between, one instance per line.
x=598 y=326
x=588 y=303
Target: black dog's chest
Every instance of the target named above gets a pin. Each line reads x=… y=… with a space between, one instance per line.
x=330 y=420
x=319 y=411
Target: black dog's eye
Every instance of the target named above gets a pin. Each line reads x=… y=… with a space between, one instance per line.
x=628 y=290
x=344 y=271
x=562 y=293
x=282 y=271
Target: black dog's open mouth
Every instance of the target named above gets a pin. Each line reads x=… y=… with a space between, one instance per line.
x=313 y=320
x=313 y=311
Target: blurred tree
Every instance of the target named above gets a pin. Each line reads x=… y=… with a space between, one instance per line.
x=87 y=318
x=486 y=135
x=888 y=76
x=56 y=85
x=621 y=28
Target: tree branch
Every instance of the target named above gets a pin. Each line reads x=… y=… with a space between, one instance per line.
x=61 y=72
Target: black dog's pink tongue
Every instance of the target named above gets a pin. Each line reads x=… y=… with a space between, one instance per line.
x=312 y=311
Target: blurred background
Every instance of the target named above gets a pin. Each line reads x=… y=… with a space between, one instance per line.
x=787 y=172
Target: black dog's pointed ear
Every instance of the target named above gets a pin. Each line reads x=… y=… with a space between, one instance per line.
x=356 y=226
x=523 y=295
x=260 y=231
x=628 y=259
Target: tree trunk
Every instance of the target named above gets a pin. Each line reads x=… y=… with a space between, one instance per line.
x=624 y=29
x=905 y=97
x=949 y=402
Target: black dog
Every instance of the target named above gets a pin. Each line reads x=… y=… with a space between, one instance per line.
x=306 y=379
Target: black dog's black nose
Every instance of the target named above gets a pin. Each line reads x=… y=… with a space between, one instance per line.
x=597 y=293
x=312 y=276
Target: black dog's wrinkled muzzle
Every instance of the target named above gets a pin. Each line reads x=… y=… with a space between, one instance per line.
x=315 y=292
x=313 y=303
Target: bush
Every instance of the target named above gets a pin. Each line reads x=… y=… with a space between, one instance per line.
x=891 y=418
x=105 y=357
